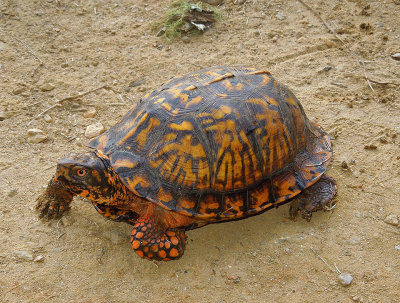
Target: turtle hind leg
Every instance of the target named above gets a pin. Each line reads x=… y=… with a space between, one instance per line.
x=152 y=242
x=313 y=198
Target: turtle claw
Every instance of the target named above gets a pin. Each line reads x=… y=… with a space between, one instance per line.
x=54 y=201
x=314 y=198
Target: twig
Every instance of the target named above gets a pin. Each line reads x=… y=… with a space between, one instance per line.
x=121 y=98
x=50 y=166
x=29 y=50
x=83 y=94
x=362 y=65
x=11 y=289
x=337 y=269
x=43 y=112
x=57 y=103
x=100 y=255
x=384 y=83
x=322 y=259
x=322 y=20
x=117 y=104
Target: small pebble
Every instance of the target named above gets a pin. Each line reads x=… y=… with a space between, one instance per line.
x=19 y=90
x=90 y=113
x=344 y=164
x=396 y=56
x=46 y=87
x=345 y=279
x=48 y=118
x=39 y=258
x=329 y=43
x=64 y=65
x=94 y=130
x=370 y=147
x=397 y=247
x=3 y=115
x=12 y=192
x=354 y=240
x=392 y=219
x=281 y=16
x=75 y=104
x=36 y=135
x=233 y=278
x=137 y=83
x=24 y=255
x=185 y=39
x=357 y=299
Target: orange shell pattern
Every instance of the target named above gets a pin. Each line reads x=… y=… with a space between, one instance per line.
x=219 y=144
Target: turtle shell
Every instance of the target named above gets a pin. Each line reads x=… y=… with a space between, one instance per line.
x=219 y=144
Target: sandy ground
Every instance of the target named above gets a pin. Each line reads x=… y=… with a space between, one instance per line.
x=50 y=50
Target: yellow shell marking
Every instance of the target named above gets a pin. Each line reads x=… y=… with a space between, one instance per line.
x=180 y=150
x=133 y=130
x=258 y=72
x=144 y=134
x=265 y=80
x=102 y=142
x=232 y=164
x=228 y=85
x=131 y=121
x=183 y=98
x=190 y=87
x=167 y=106
x=124 y=163
x=185 y=125
x=194 y=101
x=137 y=179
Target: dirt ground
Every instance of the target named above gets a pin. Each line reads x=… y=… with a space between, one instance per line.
x=54 y=49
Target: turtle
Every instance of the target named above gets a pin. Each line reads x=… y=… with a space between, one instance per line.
x=214 y=145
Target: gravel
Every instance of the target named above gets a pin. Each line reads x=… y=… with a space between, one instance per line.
x=345 y=279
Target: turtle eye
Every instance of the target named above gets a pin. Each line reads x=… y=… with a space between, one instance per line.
x=81 y=172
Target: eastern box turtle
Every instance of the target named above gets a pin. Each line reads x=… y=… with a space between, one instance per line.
x=214 y=145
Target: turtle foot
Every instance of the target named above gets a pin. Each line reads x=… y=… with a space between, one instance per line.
x=314 y=198
x=54 y=201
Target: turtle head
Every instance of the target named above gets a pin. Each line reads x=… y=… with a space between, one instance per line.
x=87 y=175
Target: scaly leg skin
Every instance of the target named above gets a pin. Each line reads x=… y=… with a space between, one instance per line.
x=313 y=198
x=116 y=214
x=54 y=201
x=152 y=242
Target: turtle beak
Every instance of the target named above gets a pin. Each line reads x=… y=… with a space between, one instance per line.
x=63 y=165
x=60 y=173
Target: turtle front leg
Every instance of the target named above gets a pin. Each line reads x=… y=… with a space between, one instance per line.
x=115 y=214
x=151 y=241
x=314 y=198
x=54 y=201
